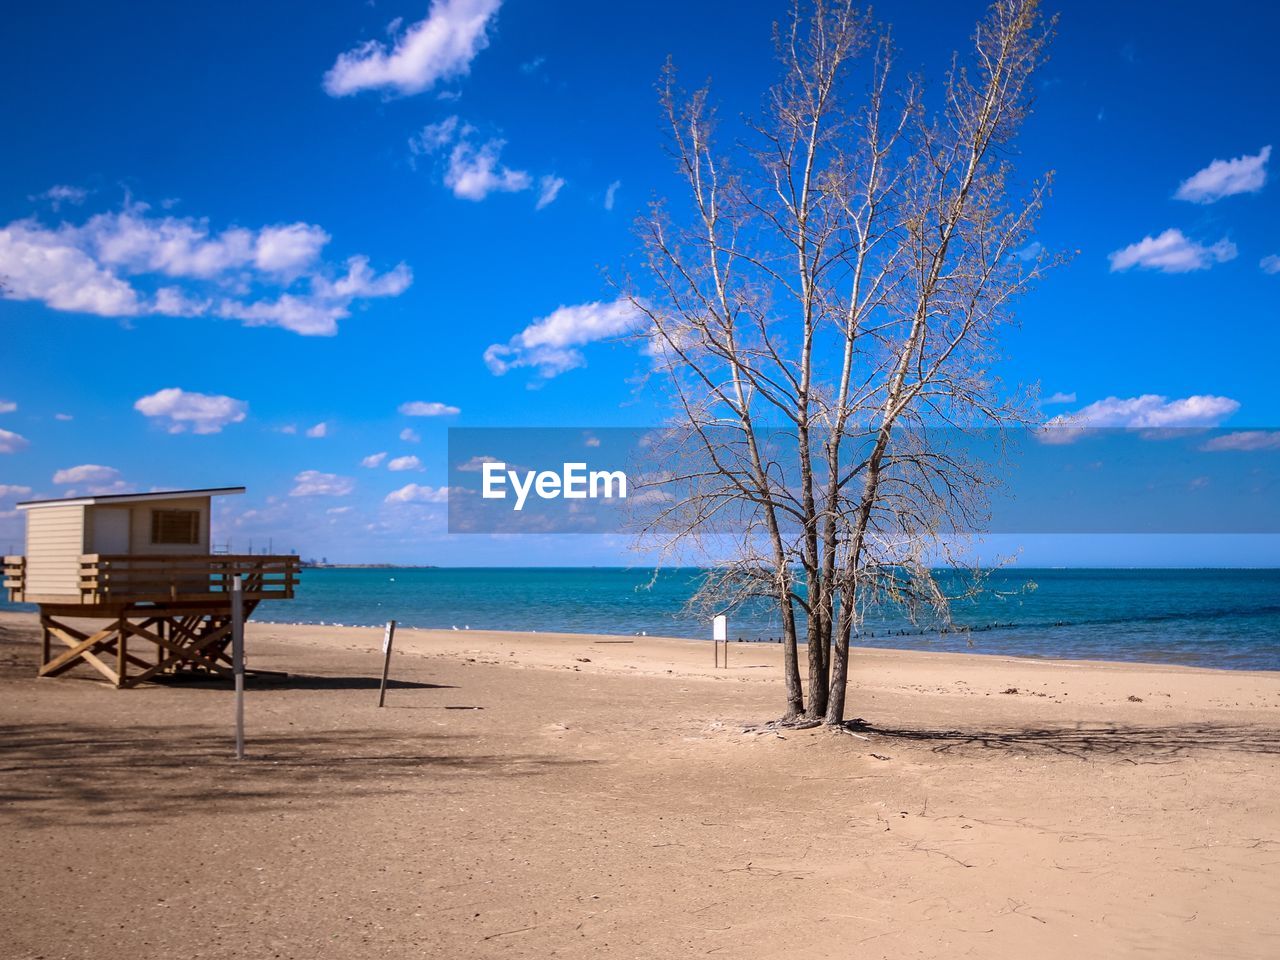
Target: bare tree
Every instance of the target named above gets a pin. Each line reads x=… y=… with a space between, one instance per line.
x=824 y=299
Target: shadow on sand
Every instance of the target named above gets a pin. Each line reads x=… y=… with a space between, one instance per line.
x=79 y=774
x=263 y=680
x=1132 y=744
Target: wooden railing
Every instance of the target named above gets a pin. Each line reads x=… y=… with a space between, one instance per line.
x=156 y=579
x=15 y=575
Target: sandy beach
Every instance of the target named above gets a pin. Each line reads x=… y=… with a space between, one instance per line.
x=537 y=795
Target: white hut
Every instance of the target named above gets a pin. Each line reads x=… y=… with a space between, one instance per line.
x=143 y=562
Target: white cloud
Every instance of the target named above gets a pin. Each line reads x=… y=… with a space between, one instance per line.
x=8 y=490
x=374 y=460
x=611 y=194
x=422 y=408
x=549 y=345
x=313 y=483
x=413 y=493
x=476 y=464
x=290 y=248
x=400 y=464
x=7 y=406
x=87 y=473
x=40 y=264
x=63 y=416
x=1060 y=398
x=270 y=276
x=61 y=193
x=338 y=511
x=1149 y=411
x=549 y=189
x=1028 y=253
x=475 y=172
x=438 y=48
x=1245 y=440
x=1225 y=178
x=436 y=136
x=11 y=442
x=318 y=312
x=199 y=412
x=474 y=169
x=1171 y=252
x=410 y=435
x=1270 y=263
x=318 y=431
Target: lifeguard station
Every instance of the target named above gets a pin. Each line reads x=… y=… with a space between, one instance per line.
x=139 y=568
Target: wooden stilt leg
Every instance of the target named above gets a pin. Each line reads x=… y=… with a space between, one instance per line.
x=122 y=655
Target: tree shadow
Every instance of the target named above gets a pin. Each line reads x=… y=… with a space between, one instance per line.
x=265 y=680
x=76 y=774
x=1132 y=744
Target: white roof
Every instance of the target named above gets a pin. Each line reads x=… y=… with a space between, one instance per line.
x=131 y=497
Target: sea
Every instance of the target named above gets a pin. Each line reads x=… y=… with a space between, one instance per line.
x=1210 y=618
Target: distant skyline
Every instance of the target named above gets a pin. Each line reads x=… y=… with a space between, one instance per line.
x=288 y=246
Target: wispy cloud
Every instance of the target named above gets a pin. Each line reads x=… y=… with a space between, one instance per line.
x=313 y=483
x=549 y=189
x=1056 y=398
x=1171 y=252
x=1149 y=412
x=61 y=193
x=86 y=473
x=611 y=194
x=11 y=442
x=273 y=275
x=1226 y=178
x=1270 y=263
x=473 y=167
x=181 y=410
x=374 y=460
x=1244 y=441
x=476 y=464
x=437 y=48
x=7 y=406
x=413 y=493
x=410 y=435
x=11 y=490
x=400 y=464
x=319 y=431
x=550 y=345
x=474 y=172
x=423 y=408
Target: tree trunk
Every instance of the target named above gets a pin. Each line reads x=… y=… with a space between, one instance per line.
x=819 y=642
x=840 y=667
x=791 y=661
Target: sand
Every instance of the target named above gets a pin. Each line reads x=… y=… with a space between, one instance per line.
x=532 y=795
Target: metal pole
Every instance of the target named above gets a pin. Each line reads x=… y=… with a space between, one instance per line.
x=386 y=660
x=237 y=658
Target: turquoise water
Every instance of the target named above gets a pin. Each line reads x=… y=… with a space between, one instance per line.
x=1213 y=618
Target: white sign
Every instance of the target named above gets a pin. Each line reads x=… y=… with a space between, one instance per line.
x=720 y=628
x=386 y=637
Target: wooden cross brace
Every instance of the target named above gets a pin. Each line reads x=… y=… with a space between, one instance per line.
x=180 y=638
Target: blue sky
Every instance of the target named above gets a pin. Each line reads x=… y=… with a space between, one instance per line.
x=226 y=226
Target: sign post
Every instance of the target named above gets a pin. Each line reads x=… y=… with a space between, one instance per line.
x=720 y=631
x=387 y=637
x=237 y=658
